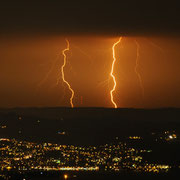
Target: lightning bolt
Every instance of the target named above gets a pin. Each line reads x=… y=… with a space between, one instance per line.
x=50 y=71
x=136 y=68
x=112 y=71
x=156 y=46
x=62 y=73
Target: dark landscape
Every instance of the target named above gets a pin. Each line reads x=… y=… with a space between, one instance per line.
x=150 y=134
x=89 y=90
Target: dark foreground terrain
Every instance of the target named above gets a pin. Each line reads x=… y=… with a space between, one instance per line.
x=96 y=176
x=122 y=143
x=85 y=125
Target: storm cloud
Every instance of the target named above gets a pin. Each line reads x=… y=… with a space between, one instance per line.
x=90 y=17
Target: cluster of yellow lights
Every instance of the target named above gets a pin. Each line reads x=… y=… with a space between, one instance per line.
x=135 y=137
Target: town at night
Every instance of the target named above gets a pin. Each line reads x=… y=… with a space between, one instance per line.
x=89 y=90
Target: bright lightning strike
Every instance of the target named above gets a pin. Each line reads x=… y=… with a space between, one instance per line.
x=136 y=68
x=112 y=71
x=62 y=72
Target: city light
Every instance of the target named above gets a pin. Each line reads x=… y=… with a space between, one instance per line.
x=65 y=176
x=108 y=157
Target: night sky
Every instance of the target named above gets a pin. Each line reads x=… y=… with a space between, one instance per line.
x=33 y=33
x=93 y=17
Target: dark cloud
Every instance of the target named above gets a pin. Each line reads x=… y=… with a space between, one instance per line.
x=92 y=17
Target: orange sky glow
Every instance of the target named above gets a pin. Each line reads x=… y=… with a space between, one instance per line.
x=29 y=71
